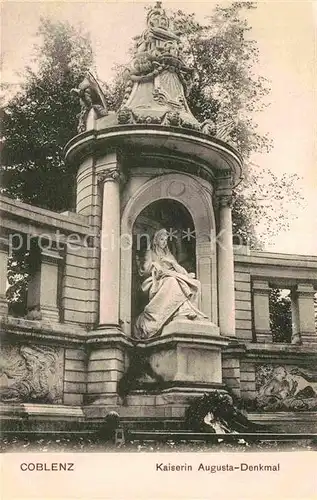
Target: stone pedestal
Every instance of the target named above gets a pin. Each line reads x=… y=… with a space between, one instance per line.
x=261 y=294
x=306 y=313
x=42 y=298
x=188 y=353
x=106 y=365
x=4 y=249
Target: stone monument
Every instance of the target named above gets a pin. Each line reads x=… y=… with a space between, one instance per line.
x=139 y=302
x=148 y=170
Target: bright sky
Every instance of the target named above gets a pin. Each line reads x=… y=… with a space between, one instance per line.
x=286 y=34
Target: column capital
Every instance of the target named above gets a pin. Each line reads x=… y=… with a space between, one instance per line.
x=4 y=244
x=305 y=290
x=223 y=200
x=261 y=287
x=111 y=175
x=223 y=191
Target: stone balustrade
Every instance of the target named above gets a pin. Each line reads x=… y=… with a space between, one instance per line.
x=255 y=274
x=60 y=327
x=62 y=252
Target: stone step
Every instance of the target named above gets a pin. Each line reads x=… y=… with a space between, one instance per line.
x=190 y=436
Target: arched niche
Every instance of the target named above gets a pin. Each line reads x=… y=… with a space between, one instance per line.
x=175 y=218
x=190 y=192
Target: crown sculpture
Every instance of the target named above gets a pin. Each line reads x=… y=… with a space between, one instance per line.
x=157 y=82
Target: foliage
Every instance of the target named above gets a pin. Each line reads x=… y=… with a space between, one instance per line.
x=280 y=315
x=263 y=205
x=41 y=118
x=227 y=90
x=225 y=86
x=221 y=406
x=18 y=275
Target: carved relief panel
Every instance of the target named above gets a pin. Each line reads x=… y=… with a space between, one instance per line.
x=31 y=374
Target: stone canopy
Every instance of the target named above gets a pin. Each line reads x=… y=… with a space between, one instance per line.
x=157 y=78
x=157 y=81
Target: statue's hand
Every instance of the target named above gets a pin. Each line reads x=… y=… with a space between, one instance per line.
x=191 y=275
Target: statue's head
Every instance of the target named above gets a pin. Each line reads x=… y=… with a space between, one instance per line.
x=160 y=240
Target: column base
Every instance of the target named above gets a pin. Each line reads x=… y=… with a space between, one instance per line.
x=191 y=327
x=44 y=314
x=263 y=337
x=308 y=338
x=3 y=307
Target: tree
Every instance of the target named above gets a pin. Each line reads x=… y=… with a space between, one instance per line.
x=225 y=87
x=41 y=118
x=227 y=90
x=36 y=124
x=280 y=315
x=264 y=205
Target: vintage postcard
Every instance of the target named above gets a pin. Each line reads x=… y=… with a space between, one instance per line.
x=158 y=262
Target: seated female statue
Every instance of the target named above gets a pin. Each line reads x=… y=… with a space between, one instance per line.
x=172 y=291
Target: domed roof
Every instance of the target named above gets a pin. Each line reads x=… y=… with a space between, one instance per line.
x=154 y=112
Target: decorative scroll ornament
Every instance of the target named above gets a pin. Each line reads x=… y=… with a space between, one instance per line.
x=157 y=17
x=111 y=175
x=157 y=49
x=157 y=83
x=221 y=129
x=157 y=79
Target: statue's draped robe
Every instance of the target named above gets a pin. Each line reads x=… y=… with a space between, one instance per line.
x=171 y=292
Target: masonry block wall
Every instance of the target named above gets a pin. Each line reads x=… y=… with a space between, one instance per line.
x=231 y=373
x=247 y=380
x=243 y=302
x=75 y=376
x=105 y=369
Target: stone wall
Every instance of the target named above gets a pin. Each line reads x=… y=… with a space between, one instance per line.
x=242 y=285
x=75 y=376
x=62 y=358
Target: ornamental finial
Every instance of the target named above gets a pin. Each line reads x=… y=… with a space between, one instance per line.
x=157 y=78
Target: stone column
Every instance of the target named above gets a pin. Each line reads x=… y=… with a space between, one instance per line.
x=306 y=313
x=44 y=284
x=4 y=253
x=226 y=299
x=110 y=247
x=261 y=310
x=296 y=338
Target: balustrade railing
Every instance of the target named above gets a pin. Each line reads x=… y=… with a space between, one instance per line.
x=64 y=266
x=62 y=272
x=257 y=275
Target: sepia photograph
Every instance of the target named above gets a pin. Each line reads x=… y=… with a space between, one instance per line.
x=158 y=201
